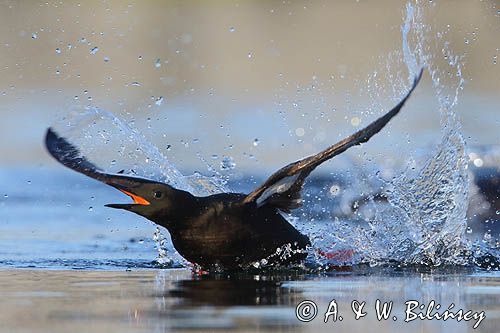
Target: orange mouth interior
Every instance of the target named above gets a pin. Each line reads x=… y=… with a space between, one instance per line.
x=137 y=199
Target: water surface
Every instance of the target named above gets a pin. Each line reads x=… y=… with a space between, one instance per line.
x=175 y=300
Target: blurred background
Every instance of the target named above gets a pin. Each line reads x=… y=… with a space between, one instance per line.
x=263 y=82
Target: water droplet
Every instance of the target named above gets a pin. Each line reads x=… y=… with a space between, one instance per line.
x=58 y=51
x=227 y=163
x=232 y=29
x=334 y=190
x=249 y=55
x=355 y=121
x=469 y=230
x=6 y=196
x=113 y=162
x=158 y=63
x=256 y=142
x=91 y=209
x=94 y=50
x=106 y=59
x=34 y=35
x=214 y=156
x=83 y=40
x=29 y=182
x=159 y=100
x=140 y=57
x=497 y=212
x=478 y=162
x=135 y=84
x=300 y=131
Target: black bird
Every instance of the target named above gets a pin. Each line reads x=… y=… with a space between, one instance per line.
x=227 y=230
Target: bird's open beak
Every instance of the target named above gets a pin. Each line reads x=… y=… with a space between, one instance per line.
x=137 y=199
x=130 y=186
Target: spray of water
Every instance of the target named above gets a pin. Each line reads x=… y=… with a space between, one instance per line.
x=432 y=201
x=422 y=222
x=98 y=133
x=424 y=218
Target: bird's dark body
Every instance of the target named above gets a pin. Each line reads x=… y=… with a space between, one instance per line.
x=228 y=230
x=220 y=231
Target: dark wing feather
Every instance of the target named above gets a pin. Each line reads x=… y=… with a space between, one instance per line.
x=69 y=155
x=282 y=189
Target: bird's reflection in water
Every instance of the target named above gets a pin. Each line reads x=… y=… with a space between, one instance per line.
x=232 y=291
x=228 y=302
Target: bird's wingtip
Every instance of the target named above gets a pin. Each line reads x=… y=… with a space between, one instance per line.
x=51 y=135
x=52 y=141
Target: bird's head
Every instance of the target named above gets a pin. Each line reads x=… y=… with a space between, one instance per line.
x=156 y=201
x=151 y=199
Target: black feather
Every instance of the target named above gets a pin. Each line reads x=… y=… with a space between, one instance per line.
x=69 y=155
x=288 y=199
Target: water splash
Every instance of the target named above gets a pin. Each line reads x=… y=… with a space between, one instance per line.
x=433 y=201
x=423 y=220
x=429 y=209
x=98 y=133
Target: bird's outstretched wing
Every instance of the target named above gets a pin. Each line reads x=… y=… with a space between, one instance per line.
x=70 y=156
x=282 y=189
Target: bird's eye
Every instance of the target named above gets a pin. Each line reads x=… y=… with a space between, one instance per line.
x=158 y=194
